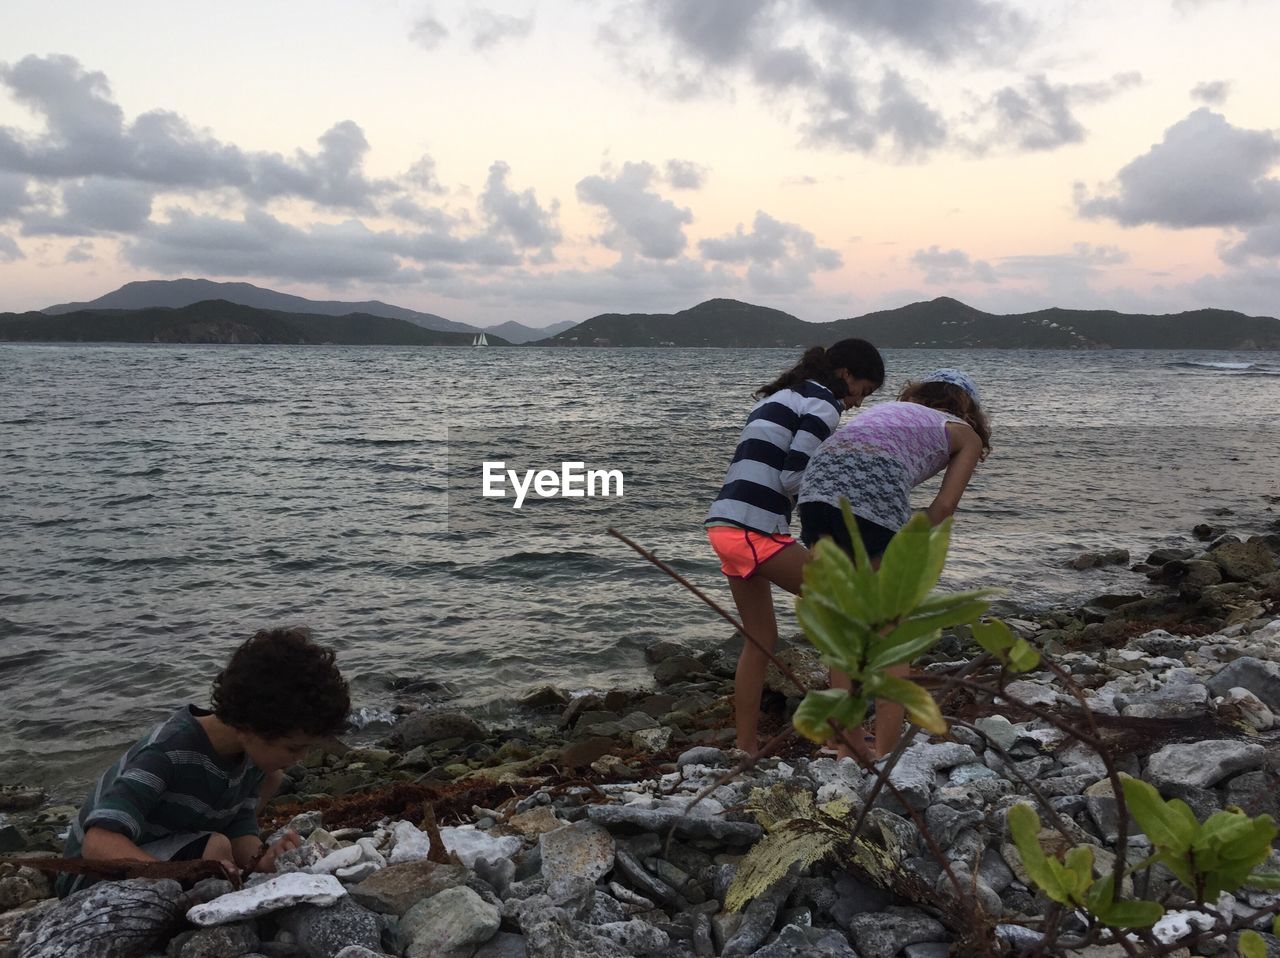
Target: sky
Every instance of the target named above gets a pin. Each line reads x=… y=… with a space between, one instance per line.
x=545 y=160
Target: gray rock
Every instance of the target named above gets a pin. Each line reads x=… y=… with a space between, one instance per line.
x=945 y=822
x=397 y=888
x=605 y=908
x=884 y=934
x=703 y=755
x=11 y=839
x=359 y=951
x=647 y=884
x=583 y=848
x=125 y=919
x=929 y=949
x=797 y=942
x=914 y=774
x=503 y=945
x=323 y=932
x=999 y=730
x=225 y=941
x=1242 y=561
x=454 y=918
x=1202 y=801
x=1188 y=575
x=636 y=936
x=425 y=727
x=1202 y=763
x=759 y=916
x=855 y=897
x=1256 y=675
x=662 y=820
x=1255 y=792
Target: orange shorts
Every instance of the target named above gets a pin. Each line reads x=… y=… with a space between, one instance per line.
x=741 y=551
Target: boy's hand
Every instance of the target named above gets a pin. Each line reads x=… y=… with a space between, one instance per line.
x=286 y=842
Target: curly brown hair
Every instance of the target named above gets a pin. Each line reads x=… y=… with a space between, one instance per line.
x=948 y=397
x=280 y=683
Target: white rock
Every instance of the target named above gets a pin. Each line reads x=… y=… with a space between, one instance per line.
x=342 y=858
x=1178 y=924
x=1252 y=710
x=411 y=844
x=283 y=891
x=356 y=873
x=472 y=845
x=1033 y=693
x=370 y=852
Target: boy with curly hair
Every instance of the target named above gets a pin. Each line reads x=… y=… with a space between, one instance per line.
x=193 y=787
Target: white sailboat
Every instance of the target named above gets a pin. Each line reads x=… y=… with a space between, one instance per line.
x=479 y=340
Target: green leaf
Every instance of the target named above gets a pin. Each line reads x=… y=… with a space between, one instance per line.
x=1270 y=881
x=939 y=543
x=1131 y=914
x=956 y=610
x=920 y=706
x=1168 y=829
x=1275 y=926
x=1023 y=657
x=1024 y=827
x=817 y=708
x=1079 y=862
x=902 y=568
x=1251 y=945
x=891 y=650
x=865 y=578
x=1120 y=914
x=839 y=638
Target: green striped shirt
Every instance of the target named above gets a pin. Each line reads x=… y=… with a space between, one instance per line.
x=171 y=782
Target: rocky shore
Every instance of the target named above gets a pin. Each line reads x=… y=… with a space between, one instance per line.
x=576 y=832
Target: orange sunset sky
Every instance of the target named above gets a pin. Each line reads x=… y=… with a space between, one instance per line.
x=543 y=161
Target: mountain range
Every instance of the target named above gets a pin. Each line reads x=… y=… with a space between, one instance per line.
x=942 y=323
x=217 y=321
x=198 y=310
x=176 y=293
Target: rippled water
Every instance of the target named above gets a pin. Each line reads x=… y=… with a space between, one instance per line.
x=158 y=503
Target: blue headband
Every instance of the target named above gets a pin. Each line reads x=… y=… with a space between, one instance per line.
x=956 y=378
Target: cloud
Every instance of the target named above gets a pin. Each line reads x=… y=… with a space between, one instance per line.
x=93 y=206
x=9 y=249
x=489 y=29
x=685 y=175
x=13 y=195
x=1261 y=242
x=950 y=267
x=856 y=76
x=518 y=215
x=1205 y=172
x=261 y=245
x=780 y=257
x=637 y=218
x=1040 y=115
x=86 y=136
x=1212 y=92
x=81 y=252
x=428 y=32
x=942 y=30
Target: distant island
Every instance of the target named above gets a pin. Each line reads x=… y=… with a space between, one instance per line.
x=220 y=322
x=942 y=323
x=176 y=293
x=202 y=311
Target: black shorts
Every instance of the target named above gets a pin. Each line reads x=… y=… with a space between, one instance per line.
x=818 y=519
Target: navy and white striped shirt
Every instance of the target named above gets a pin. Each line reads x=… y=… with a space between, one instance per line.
x=782 y=431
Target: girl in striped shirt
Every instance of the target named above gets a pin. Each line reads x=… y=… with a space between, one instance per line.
x=749 y=523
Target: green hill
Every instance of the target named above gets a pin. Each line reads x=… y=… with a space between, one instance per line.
x=217 y=321
x=942 y=323
x=717 y=322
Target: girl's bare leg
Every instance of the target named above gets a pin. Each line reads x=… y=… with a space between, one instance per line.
x=754 y=599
